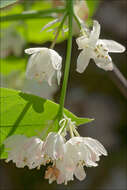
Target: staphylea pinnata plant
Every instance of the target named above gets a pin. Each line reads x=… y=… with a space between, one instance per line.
x=66 y=159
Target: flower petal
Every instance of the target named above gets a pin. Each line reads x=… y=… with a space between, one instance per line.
x=54 y=146
x=104 y=63
x=95 y=33
x=80 y=173
x=56 y=59
x=49 y=78
x=58 y=76
x=83 y=61
x=14 y=141
x=33 y=50
x=113 y=46
x=31 y=66
x=95 y=145
x=82 y=42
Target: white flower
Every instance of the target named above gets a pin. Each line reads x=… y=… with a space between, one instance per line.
x=97 y=49
x=43 y=64
x=85 y=149
x=80 y=152
x=54 y=147
x=24 y=151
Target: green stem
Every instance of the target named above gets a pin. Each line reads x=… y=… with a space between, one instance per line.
x=58 y=31
x=77 y=20
x=32 y=15
x=68 y=59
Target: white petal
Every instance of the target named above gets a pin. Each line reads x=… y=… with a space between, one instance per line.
x=14 y=141
x=54 y=145
x=104 y=63
x=95 y=145
x=83 y=61
x=31 y=66
x=59 y=147
x=82 y=42
x=113 y=46
x=56 y=59
x=87 y=157
x=58 y=76
x=80 y=173
x=33 y=50
x=95 y=33
x=49 y=78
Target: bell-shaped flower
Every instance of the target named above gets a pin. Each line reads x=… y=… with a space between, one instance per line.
x=85 y=149
x=54 y=146
x=80 y=152
x=43 y=64
x=24 y=151
x=96 y=49
x=68 y=169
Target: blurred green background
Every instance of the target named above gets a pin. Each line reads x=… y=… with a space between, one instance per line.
x=95 y=94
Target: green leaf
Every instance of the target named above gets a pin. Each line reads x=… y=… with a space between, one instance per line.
x=5 y=3
x=30 y=115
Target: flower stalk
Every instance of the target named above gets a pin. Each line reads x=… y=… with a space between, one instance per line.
x=68 y=59
x=58 y=31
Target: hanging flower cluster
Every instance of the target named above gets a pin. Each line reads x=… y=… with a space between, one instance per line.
x=66 y=159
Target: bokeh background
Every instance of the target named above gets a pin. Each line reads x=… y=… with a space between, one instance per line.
x=95 y=94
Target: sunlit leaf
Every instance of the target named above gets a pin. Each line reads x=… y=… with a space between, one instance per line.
x=27 y=114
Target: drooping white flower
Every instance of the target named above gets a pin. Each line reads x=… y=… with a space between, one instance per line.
x=80 y=152
x=43 y=64
x=54 y=147
x=85 y=149
x=97 y=49
x=24 y=151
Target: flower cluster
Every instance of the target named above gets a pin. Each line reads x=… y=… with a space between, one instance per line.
x=66 y=159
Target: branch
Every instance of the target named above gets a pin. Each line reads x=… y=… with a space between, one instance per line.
x=119 y=80
x=32 y=15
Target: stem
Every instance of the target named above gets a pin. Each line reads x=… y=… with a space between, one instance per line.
x=120 y=76
x=58 y=31
x=32 y=15
x=119 y=80
x=68 y=58
x=78 y=22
